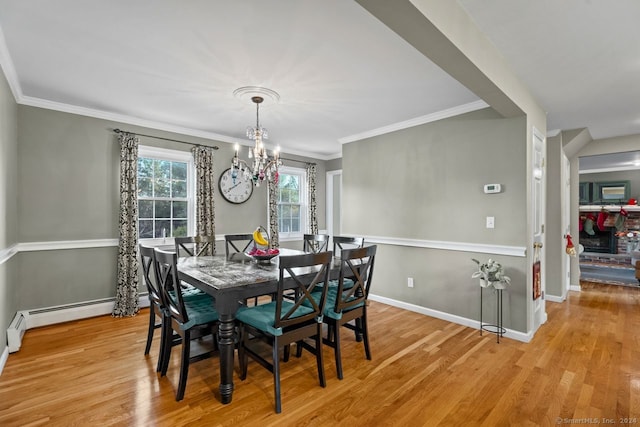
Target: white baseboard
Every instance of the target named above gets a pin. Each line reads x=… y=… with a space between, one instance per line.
x=62 y=313
x=576 y=288
x=516 y=335
x=554 y=298
x=3 y=358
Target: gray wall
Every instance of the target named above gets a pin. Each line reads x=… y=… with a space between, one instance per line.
x=555 y=254
x=334 y=164
x=8 y=208
x=68 y=187
x=426 y=183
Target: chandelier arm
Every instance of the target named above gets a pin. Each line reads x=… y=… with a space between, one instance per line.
x=264 y=167
x=242 y=162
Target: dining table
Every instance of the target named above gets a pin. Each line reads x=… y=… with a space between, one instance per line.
x=230 y=280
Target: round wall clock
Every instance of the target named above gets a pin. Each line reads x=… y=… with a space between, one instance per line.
x=236 y=189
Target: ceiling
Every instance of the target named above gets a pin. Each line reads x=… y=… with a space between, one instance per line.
x=340 y=73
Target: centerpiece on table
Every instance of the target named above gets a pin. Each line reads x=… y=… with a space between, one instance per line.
x=261 y=250
x=491 y=274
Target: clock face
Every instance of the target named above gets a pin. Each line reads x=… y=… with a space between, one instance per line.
x=235 y=189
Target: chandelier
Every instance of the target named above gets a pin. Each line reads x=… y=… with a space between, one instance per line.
x=263 y=167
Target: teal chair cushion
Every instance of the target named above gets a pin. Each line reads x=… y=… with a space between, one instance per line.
x=332 y=295
x=347 y=284
x=262 y=316
x=190 y=292
x=200 y=311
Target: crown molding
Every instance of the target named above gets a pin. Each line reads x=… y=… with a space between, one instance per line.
x=12 y=78
x=123 y=118
x=450 y=112
x=6 y=63
x=136 y=121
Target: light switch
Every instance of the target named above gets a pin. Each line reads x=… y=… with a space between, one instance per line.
x=491 y=222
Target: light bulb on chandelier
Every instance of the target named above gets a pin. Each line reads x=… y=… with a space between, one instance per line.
x=263 y=167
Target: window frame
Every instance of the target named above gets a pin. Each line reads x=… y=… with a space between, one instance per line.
x=157 y=153
x=302 y=173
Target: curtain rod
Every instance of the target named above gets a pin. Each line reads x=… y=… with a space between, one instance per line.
x=166 y=139
x=215 y=147
x=299 y=161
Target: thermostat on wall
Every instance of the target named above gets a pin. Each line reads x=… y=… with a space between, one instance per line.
x=492 y=188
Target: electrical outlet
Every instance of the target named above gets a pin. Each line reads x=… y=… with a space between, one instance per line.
x=491 y=222
x=410 y=282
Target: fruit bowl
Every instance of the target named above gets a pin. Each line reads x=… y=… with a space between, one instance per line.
x=262 y=254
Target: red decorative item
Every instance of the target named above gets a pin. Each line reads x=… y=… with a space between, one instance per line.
x=581 y=223
x=537 y=281
x=602 y=217
x=623 y=212
x=570 y=249
x=632 y=201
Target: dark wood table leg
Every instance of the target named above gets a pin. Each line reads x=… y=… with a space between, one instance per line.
x=226 y=345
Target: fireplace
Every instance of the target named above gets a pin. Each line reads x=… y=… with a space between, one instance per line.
x=602 y=241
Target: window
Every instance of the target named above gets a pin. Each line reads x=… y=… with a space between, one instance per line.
x=292 y=198
x=165 y=195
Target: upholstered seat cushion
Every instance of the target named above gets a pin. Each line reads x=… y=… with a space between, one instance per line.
x=347 y=284
x=200 y=311
x=190 y=292
x=329 y=308
x=262 y=316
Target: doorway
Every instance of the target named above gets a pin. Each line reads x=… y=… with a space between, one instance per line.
x=334 y=204
x=610 y=217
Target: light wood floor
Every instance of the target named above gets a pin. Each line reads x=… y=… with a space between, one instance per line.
x=584 y=363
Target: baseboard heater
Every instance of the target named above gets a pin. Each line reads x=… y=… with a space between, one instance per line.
x=28 y=319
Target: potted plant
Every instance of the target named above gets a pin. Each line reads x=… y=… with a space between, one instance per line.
x=491 y=274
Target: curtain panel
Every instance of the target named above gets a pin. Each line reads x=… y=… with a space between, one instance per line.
x=126 y=303
x=205 y=189
x=273 y=213
x=312 y=211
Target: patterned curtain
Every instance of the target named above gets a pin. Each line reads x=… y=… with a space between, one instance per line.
x=205 y=187
x=312 y=212
x=273 y=214
x=127 y=289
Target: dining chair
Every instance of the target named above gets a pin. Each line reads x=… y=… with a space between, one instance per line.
x=189 y=318
x=345 y=242
x=315 y=243
x=243 y=241
x=283 y=321
x=195 y=245
x=156 y=309
x=347 y=301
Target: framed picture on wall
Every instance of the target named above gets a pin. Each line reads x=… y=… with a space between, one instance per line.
x=611 y=192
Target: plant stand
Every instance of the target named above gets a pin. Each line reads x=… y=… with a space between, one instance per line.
x=496 y=328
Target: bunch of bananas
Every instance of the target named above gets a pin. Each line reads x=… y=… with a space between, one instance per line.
x=259 y=238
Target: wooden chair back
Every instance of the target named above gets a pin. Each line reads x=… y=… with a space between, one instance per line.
x=315 y=243
x=165 y=265
x=357 y=264
x=244 y=241
x=146 y=258
x=344 y=242
x=289 y=267
x=195 y=245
